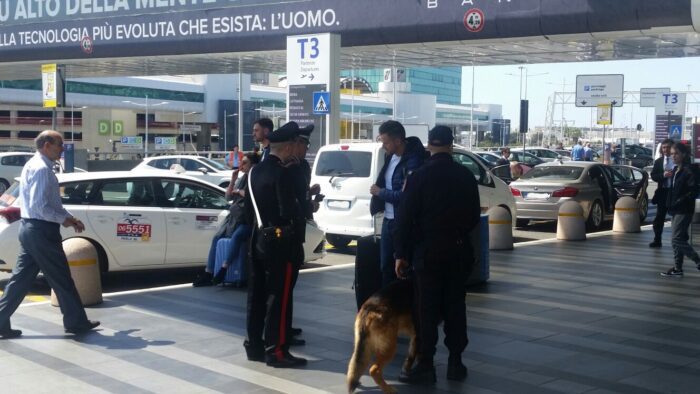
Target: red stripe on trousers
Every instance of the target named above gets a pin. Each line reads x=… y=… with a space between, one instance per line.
x=283 y=318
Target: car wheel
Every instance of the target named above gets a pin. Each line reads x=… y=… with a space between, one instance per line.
x=643 y=208
x=595 y=217
x=522 y=222
x=3 y=185
x=338 y=241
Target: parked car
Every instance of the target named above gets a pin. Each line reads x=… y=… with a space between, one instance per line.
x=11 y=164
x=346 y=172
x=545 y=154
x=540 y=192
x=528 y=158
x=199 y=167
x=636 y=155
x=138 y=220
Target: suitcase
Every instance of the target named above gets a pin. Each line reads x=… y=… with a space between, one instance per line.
x=235 y=273
x=368 y=274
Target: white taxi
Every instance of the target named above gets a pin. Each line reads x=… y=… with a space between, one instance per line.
x=195 y=166
x=138 y=221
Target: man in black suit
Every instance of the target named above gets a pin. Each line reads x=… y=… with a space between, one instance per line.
x=662 y=173
x=274 y=244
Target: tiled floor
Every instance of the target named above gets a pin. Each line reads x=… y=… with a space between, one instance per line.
x=567 y=317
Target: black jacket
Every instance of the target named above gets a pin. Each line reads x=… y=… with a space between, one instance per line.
x=681 y=199
x=440 y=207
x=412 y=158
x=301 y=176
x=657 y=172
x=274 y=194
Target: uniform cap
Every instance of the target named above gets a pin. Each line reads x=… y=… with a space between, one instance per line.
x=440 y=136
x=286 y=133
x=305 y=132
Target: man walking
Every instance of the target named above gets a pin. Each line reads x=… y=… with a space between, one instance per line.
x=274 y=247
x=403 y=156
x=41 y=247
x=662 y=174
x=439 y=210
x=577 y=151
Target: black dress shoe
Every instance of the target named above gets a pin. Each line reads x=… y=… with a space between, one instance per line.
x=84 y=328
x=456 y=371
x=295 y=331
x=655 y=244
x=203 y=280
x=420 y=374
x=254 y=352
x=10 y=333
x=296 y=342
x=286 y=361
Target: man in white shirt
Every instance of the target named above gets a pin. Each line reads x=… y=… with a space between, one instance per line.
x=41 y=247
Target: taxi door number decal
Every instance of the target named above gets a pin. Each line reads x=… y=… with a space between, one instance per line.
x=134 y=232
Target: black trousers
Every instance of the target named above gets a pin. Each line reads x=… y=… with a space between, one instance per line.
x=440 y=295
x=270 y=298
x=41 y=249
x=661 y=212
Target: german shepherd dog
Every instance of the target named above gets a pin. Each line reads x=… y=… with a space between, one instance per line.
x=385 y=315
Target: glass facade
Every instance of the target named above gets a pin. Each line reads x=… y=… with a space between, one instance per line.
x=445 y=83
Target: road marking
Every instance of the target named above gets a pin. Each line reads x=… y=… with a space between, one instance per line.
x=33 y=297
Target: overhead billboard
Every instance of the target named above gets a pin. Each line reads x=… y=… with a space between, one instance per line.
x=79 y=29
x=600 y=89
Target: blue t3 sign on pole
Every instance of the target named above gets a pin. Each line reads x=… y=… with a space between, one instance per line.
x=322 y=103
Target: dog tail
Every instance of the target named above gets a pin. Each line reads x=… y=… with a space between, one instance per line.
x=362 y=354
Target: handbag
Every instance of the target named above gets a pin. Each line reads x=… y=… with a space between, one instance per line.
x=273 y=237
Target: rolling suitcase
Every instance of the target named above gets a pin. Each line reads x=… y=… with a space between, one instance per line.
x=235 y=273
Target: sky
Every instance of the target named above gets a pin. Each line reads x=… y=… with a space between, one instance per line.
x=493 y=85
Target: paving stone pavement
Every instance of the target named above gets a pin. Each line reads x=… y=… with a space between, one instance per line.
x=555 y=317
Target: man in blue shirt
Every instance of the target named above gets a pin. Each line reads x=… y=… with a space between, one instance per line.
x=41 y=247
x=577 y=151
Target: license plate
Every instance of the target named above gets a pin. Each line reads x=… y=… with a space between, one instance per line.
x=537 y=196
x=339 y=204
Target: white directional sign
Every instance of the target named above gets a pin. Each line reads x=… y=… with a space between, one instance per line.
x=647 y=96
x=595 y=90
x=308 y=59
x=670 y=102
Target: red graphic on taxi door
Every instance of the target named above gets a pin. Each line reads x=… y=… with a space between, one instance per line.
x=131 y=229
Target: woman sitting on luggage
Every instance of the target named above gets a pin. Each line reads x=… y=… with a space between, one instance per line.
x=237 y=227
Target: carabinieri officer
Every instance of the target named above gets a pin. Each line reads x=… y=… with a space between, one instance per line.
x=272 y=201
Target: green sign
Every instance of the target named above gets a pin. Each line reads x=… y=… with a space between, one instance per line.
x=118 y=127
x=103 y=127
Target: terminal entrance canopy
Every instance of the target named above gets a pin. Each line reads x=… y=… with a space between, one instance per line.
x=157 y=37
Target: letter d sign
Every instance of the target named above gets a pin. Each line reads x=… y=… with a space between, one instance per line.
x=103 y=127
x=117 y=127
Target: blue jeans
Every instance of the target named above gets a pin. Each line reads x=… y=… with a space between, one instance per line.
x=239 y=249
x=386 y=247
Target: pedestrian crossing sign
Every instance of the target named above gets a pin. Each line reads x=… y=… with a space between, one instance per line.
x=322 y=103
x=675 y=132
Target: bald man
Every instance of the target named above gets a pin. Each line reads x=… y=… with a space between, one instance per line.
x=41 y=247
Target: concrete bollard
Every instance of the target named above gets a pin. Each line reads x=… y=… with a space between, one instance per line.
x=500 y=229
x=626 y=219
x=84 y=269
x=571 y=225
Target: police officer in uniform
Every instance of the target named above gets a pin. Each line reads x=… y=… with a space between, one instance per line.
x=273 y=251
x=440 y=209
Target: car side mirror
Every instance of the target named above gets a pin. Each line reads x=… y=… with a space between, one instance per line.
x=204 y=170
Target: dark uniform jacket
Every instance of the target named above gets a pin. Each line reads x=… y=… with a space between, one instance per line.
x=274 y=195
x=681 y=198
x=440 y=208
x=301 y=177
x=413 y=157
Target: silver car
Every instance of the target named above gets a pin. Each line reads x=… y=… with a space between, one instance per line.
x=540 y=192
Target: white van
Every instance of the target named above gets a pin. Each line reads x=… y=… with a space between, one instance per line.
x=346 y=171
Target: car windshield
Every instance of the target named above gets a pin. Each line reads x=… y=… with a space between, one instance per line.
x=218 y=166
x=554 y=173
x=344 y=163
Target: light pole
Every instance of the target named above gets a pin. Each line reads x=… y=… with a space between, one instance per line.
x=226 y=129
x=145 y=152
x=72 y=123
